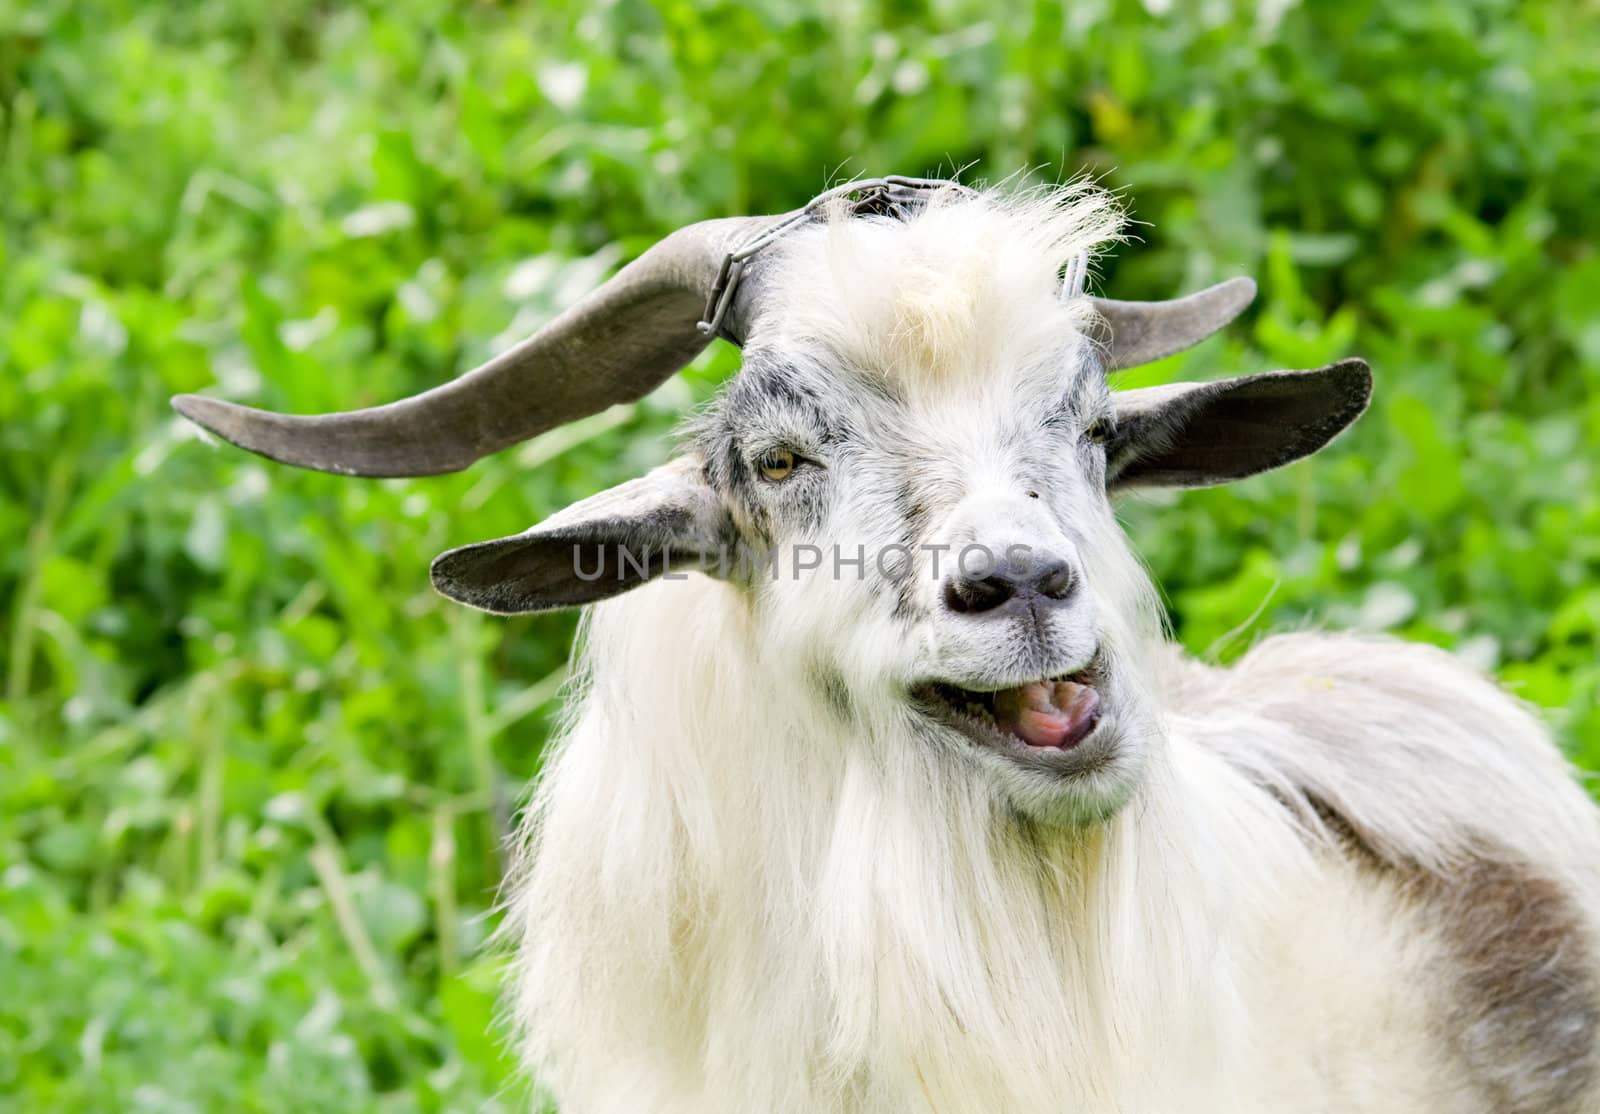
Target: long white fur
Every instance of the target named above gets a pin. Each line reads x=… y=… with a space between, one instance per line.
x=730 y=899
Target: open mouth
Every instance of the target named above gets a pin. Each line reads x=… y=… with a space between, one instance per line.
x=1052 y=714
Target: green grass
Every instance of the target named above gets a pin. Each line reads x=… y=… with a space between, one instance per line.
x=254 y=775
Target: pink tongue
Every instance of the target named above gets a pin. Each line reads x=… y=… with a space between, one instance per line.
x=1048 y=714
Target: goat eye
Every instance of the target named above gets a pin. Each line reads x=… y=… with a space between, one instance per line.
x=776 y=465
x=1100 y=432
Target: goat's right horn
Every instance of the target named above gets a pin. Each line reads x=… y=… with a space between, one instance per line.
x=1142 y=332
x=615 y=345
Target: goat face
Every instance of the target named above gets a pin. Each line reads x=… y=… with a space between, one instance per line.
x=919 y=452
x=944 y=560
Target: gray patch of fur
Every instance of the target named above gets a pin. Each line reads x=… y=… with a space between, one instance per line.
x=1521 y=1006
x=1514 y=979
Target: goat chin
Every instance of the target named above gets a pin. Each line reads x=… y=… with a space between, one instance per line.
x=726 y=901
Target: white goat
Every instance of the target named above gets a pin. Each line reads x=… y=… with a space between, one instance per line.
x=900 y=835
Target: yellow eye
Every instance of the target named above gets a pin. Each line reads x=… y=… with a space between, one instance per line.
x=776 y=465
x=1100 y=432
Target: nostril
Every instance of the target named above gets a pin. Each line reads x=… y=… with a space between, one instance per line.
x=1056 y=582
x=966 y=596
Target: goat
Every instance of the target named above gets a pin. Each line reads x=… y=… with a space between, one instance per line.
x=896 y=835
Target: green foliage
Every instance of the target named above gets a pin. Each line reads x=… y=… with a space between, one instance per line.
x=254 y=776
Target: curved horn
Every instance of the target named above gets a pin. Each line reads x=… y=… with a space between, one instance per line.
x=1142 y=332
x=615 y=345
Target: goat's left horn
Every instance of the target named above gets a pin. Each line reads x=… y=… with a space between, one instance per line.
x=1143 y=332
x=615 y=345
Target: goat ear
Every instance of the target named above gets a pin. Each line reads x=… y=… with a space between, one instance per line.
x=606 y=544
x=1201 y=434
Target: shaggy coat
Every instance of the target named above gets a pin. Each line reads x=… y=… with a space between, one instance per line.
x=1345 y=875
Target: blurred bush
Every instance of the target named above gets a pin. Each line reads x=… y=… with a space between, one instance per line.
x=253 y=775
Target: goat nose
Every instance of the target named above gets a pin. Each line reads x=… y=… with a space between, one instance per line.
x=1047 y=577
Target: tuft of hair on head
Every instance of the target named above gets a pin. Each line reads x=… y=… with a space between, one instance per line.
x=956 y=287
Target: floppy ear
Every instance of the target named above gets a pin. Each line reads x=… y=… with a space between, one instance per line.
x=669 y=518
x=1201 y=434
